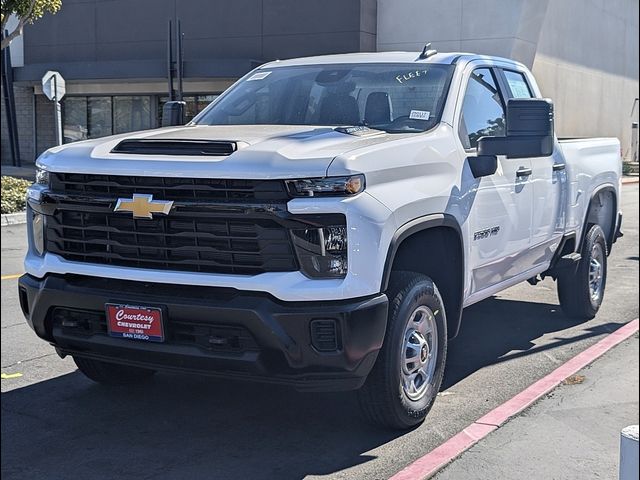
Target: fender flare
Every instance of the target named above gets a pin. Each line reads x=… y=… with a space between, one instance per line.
x=419 y=224
x=614 y=218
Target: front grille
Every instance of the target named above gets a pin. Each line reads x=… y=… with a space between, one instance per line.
x=188 y=242
x=170 y=188
x=209 y=337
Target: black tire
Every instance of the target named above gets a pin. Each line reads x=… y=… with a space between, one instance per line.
x=383 y=400
x=574 y=290
x=111 y=373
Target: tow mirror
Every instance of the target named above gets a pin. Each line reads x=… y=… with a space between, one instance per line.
x=173 y=114
x=530 y=130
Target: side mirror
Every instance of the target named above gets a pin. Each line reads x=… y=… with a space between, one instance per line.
x=483 y=165
x=173 y=114
x=530 y=130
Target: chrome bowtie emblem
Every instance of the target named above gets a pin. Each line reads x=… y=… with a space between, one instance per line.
x=143 y=206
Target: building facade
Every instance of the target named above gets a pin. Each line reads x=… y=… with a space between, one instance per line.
x=113 y=54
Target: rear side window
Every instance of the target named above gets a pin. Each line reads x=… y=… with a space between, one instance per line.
x=518 y=84
x=482 y=109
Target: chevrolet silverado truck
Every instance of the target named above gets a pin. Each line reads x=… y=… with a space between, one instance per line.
x=322 y=224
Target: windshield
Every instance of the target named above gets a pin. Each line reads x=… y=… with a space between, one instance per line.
x=397 y=98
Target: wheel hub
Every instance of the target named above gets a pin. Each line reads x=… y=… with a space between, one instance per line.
x=419 y=353
x=424 y=353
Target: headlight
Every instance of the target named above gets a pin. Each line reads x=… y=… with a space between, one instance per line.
x=42 y=177
x=326 y=187
x=322 y=252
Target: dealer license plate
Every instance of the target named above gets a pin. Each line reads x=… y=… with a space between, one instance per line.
x=135 y=322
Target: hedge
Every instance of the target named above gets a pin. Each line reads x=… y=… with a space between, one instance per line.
x=13 y=194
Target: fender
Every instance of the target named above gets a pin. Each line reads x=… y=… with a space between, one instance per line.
x=614 y=218
x=421 y=224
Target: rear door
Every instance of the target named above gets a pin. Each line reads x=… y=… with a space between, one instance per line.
x=499 y=206
x=548 y=180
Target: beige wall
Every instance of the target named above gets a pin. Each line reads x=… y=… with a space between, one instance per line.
x=584 y=53
x=587 y=61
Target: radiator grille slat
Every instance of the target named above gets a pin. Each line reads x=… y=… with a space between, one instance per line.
x=200 y=189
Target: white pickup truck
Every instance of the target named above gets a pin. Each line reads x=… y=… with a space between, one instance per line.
x=322 y=224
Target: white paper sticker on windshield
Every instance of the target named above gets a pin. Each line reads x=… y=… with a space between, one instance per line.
x=258 y=76
x=419 y=115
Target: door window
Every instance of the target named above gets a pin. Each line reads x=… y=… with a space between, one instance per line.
x=482 y=109
x=517 y=84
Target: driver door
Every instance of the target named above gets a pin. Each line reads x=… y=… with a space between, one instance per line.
x=499 y=218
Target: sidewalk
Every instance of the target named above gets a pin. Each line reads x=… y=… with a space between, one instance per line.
x=572 y=433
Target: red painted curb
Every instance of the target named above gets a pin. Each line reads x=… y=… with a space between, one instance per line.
x=442 y=455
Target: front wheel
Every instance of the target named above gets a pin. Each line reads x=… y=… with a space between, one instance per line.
x=403 y=383
x=581 y=291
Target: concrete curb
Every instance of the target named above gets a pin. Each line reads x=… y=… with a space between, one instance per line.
x=628 y=180
x=427 y=465
x=14 y=218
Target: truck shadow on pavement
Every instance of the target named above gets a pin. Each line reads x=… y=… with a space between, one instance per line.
x=497 y=330
x=188 y=427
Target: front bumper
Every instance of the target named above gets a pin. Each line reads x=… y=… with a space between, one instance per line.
x=257 y=337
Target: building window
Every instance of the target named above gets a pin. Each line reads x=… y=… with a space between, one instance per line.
x=131 y=114
x=74 y=114
x=100 y=116
x=194 y=105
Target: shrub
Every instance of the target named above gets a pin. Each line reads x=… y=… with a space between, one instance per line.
x=13 y=194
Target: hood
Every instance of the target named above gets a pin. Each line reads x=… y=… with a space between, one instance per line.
x=263 y=151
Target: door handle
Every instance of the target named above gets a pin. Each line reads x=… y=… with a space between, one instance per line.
x=524 y=172
x=559 y=167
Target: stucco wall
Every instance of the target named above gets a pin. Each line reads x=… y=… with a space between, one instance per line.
x=587 y=61
x=584 y=53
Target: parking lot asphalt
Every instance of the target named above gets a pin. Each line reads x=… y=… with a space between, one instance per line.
x=58 y=425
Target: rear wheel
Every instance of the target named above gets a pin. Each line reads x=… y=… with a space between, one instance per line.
x=581 y=291
x=403 y=384
x=111 y=373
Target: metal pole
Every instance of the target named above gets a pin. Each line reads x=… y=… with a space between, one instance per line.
x=634 y=142
x=170 y=63
x=57 y=112
x=179 y=58
x=10 y=104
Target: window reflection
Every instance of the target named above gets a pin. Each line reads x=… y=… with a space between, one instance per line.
x=131 y=114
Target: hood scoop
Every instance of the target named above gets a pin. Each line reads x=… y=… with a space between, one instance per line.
x=193 y=148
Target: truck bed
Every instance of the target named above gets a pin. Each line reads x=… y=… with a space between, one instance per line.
x=592 y=164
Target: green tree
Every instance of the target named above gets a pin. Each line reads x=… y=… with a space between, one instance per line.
x=26 y=11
